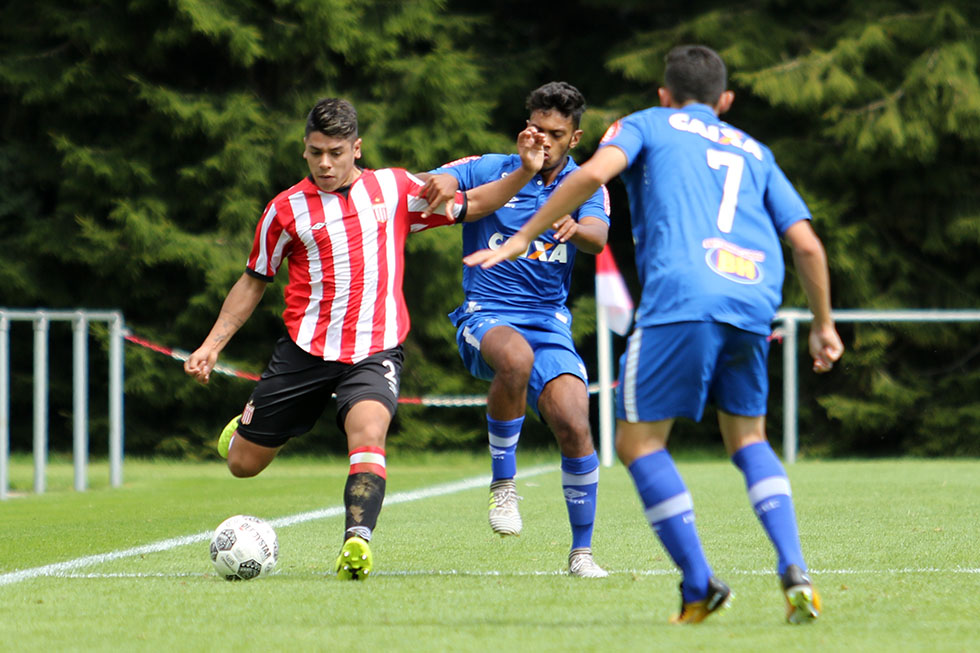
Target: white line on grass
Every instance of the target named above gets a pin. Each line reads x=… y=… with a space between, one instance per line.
x=672 y=572
x=66 y=568
x=559 y=572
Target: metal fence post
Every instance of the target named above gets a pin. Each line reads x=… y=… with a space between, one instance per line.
x=80 y=400
x=4 y=406
x=607 y=414
x=80 y=319
x=790 y=389
x=40 y=402
x=116 y=435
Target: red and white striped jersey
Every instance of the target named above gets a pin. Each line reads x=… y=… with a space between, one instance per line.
x=344 y=298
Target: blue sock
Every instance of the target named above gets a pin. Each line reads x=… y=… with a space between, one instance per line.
x=580 y=482
x=503 y=446
x=670 y=511
x=770 y=494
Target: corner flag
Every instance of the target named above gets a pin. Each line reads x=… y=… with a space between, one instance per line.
x=611 y=293
x=614 y=312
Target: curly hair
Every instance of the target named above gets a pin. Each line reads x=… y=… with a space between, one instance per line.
x=558 y=96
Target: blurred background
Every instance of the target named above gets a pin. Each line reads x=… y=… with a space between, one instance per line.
x=140 y=141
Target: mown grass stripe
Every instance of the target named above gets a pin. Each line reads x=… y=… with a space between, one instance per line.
x=65 y=568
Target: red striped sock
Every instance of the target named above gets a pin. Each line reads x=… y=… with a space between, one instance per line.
x=368 y=459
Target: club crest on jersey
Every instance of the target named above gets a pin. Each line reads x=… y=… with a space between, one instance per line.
x=611 y=132
x=539 y=250
x=247 y=413
x=733 y=262
x=380 y=210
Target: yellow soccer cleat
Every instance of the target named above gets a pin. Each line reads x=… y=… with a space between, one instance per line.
x=802 y=600
x=224 y=440
x=719 y=598
x=355 y=559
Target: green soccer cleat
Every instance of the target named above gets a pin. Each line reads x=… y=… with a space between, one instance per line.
x=719 y=597
x=355 y=559
x=224 y=440
x=802 y=600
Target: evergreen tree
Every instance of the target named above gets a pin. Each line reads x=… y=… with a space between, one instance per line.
x=873 y=109
x=141 y=140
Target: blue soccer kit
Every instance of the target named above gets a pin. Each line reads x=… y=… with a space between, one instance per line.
x=529 y=296
x=708 y=205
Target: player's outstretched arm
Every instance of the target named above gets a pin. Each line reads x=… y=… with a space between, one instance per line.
x=589 y=234
x=484 y=200
x=810 y=258
x=604 y=165
x=238 y=306
x=439 y=190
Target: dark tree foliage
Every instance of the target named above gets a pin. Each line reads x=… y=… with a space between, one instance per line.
x=873 y=110
x=141 y=139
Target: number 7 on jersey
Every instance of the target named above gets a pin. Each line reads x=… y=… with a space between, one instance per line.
x=735 y=164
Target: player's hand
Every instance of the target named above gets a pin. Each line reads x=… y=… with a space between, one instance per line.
x=510 y=249
x=565 y=228
x=439 y=190
x=826 y=347
x=530 y=146
x=200 y=363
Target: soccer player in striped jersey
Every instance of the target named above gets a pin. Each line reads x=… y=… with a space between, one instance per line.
x=342 y=230
x=514 y=328
x=708 y=206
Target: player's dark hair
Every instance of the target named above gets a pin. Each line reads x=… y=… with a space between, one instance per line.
x=558 y=96
x=695 y=72
x=333 y=117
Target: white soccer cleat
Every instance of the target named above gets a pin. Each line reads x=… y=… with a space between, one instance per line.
x=505 y=519
x=582 y=564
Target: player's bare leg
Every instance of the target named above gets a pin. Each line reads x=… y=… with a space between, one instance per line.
x=564 y=404
x=246 y=459
x=511 y=358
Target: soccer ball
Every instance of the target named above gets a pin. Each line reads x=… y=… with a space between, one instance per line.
x=244 y=547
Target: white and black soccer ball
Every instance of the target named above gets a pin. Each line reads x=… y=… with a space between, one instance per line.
x=244 y=547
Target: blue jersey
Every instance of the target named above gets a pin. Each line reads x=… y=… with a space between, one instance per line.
x=708 y=205
x=541 y=277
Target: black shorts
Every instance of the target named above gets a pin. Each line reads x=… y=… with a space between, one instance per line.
x=296 y=386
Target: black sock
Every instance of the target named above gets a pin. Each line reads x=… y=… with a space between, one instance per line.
x=363 y=496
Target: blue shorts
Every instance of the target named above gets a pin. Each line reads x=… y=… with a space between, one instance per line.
x=549 y=333
x=674 y=370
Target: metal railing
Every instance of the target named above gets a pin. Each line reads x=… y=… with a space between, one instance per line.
x=790 y=319
x=80 y=320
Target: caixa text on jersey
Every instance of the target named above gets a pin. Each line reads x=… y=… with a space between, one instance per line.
x=540 y=250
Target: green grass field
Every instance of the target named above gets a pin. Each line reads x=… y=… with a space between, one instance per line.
x=893 y=547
